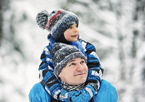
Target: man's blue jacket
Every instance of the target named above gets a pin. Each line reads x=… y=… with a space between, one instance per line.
x=106 y=93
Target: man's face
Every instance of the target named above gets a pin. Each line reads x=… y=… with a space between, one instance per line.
x=75 y=72
x=72 y=33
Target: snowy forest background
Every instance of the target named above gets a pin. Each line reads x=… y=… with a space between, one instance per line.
x=115 y=27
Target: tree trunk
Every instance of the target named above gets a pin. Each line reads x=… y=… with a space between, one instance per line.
x=1 y=22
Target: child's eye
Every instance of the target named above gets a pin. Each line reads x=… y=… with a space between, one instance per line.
x=70 y=27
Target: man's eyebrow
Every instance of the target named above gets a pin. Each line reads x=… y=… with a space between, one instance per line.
x=74 y=60
x=71 y=61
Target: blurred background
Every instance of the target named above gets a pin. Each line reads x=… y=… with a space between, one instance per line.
x=115 y=27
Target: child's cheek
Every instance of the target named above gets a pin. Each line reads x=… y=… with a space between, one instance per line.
x=67 y=34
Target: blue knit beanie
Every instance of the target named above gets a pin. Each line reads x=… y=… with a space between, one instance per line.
x=62 y=53
x=56 y=22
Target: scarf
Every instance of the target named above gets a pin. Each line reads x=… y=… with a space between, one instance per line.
x=72 y=87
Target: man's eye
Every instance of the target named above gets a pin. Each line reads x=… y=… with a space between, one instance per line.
x=82 y=62
x=71 y=64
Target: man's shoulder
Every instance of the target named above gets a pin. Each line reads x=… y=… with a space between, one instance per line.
x=38 y=94
x=107 y=92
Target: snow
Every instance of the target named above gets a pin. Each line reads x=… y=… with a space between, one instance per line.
x=19 y=70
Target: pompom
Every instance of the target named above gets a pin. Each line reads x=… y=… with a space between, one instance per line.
x=42 y=18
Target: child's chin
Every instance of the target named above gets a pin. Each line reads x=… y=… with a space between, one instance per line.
x=75 y=39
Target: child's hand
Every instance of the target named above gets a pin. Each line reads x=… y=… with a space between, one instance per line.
x=93 y=81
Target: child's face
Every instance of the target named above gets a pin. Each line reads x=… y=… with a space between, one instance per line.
x=72 y=33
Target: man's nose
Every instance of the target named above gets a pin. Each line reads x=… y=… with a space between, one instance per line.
x=80 y=67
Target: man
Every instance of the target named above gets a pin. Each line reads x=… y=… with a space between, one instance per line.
x=71 y=69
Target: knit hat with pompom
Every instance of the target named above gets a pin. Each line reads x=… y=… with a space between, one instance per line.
x=56 y=22
x=63 y=53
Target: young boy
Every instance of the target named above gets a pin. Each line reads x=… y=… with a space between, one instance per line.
x=63 y=27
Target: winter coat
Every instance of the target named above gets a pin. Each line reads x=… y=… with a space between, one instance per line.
x=106 y=93
x=89 y=51
x=87 y=48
